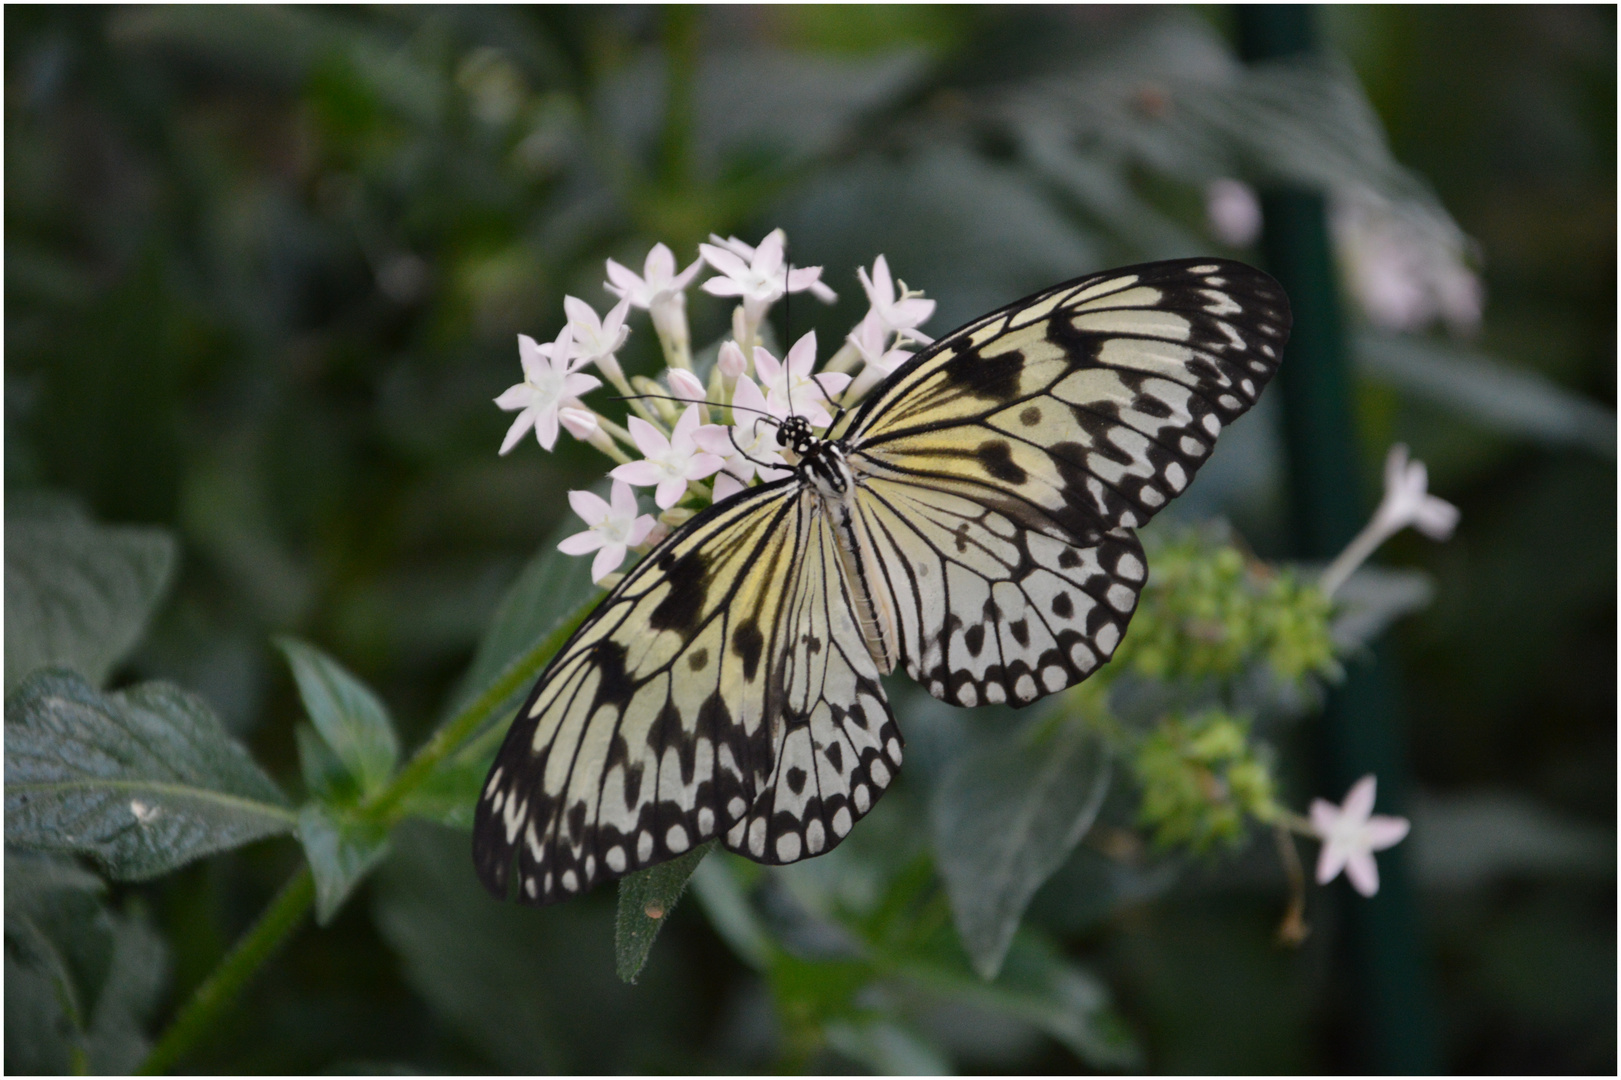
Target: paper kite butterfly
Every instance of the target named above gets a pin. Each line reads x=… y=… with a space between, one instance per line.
x=972 y=520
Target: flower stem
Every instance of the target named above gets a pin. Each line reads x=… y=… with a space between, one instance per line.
x=1355 y=554
x=284 y=915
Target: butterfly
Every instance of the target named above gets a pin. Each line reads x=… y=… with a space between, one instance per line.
x=971 y=521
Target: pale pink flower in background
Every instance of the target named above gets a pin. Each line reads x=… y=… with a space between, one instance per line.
x=1407 y=501
x=762 y=280
x=614 y=528
x=549 y=381
x=1234 y=212
x=1405 y=272
x=792 y=382
x=1351 y=833
x=671 y=463
x=901 y=315
x=597 y=340
x=658 y=284
x=751 y=437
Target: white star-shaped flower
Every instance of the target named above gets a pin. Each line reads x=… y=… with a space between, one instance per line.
x=596 y=340
x=749 y=447
x=760 y=281
x=818 y=288
x=658 y=284
x=901 y=315
x=871 y=341
x=670 y=463
x=1407 y=499
x=1351 y=834
x=791 y=382
x=615 y=528
x=549 y=382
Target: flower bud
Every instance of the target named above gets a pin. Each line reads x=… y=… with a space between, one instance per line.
x=731 y=360
x=685 y=385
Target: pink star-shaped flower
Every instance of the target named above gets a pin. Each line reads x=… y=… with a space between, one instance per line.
x=1351 y=834
x=900 y=316
x=614 y=529
x=793 y=387
x=549 y=382
x=670 y=464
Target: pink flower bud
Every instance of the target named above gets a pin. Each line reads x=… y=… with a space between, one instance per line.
x=580 y=423
x=685 y=385
x=731 y=360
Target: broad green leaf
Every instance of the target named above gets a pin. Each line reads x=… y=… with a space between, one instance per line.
x=347 y=714
x=340 y=853
x=324 y=775
x=1037 y=986
x=887 y=1048
x=81 y=980
x=142 y=781
x=647 y=899
x=78 y=595
x=1004 y=818
x=1511 y=400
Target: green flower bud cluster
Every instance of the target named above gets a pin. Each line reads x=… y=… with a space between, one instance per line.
x=1201 y=777
x=1208 y=612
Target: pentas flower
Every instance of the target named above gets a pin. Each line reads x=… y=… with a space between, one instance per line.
x=759 y=282
x=658 y=285
x=791 y=385
x=1351 y=833
x=615 y=528
x=597 y=340
x=899 y=315
x=671 y=463
x=1407 y=501
x=549 y=381
x=817 y=288
x=749 y=446
x=871 y=342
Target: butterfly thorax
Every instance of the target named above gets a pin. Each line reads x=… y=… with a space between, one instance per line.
x=821 y=461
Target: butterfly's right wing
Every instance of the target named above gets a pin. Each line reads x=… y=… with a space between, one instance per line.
x=650 y=732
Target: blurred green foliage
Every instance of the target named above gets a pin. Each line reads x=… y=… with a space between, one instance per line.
x=264 y=270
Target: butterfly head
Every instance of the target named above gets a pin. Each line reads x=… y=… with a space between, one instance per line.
x=795 y=433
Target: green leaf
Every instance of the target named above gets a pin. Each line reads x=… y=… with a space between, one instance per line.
x=341 y=853
x=78 y=595
x=81 y=981
x=347 y=714
x=647 y=899
x=324 y=775
x=142 y=781
x=887 y=1048
x=1040 y=988
x=1005 y=818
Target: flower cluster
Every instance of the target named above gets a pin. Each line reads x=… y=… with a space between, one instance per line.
x=707 y=431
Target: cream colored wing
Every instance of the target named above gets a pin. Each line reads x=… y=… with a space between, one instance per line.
x=1005 y=467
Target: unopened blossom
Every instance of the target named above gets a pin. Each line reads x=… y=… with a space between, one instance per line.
x=731 y=360
x=671 y=463
x=898 y=315
x=596 y=340
x=1351 y=833
x=685 y=385
x=792 y=386
x=759 y=282
x=818 y=288
x=1234 y=212
x=549 y=381
x=615 y=527
x=749 y=446
x=1406 y=501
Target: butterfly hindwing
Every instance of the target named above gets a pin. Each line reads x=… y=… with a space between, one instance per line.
x=1047 y=431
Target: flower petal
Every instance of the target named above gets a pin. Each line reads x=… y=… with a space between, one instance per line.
x=519 y=427
x=607 y=561
x=623 y=501
x=582 y=543
x=670 y=491
x=1363 y=872
x=1359 y=801
x=589 y=506
x=1383 y=831
x=649 y=439
x=640 y=473
x=546 y=427
x=726 y=485
x=520 y=396
x=641 y=528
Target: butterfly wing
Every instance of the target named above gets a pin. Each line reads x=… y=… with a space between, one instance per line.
x=1003 y=469
x=838 y=746
x=721 y=689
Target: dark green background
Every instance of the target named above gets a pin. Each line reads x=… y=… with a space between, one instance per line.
x=263 y=274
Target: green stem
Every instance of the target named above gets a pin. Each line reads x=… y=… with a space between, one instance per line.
x=286 y=912
x=279 y=920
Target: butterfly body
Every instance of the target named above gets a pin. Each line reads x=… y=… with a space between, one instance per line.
x=972 y=522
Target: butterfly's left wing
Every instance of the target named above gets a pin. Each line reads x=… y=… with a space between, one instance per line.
x=1001 y=472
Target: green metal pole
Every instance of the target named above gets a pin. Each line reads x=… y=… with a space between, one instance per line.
x=1382 y=944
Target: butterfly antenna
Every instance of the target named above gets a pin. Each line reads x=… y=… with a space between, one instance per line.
x=787 y=324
